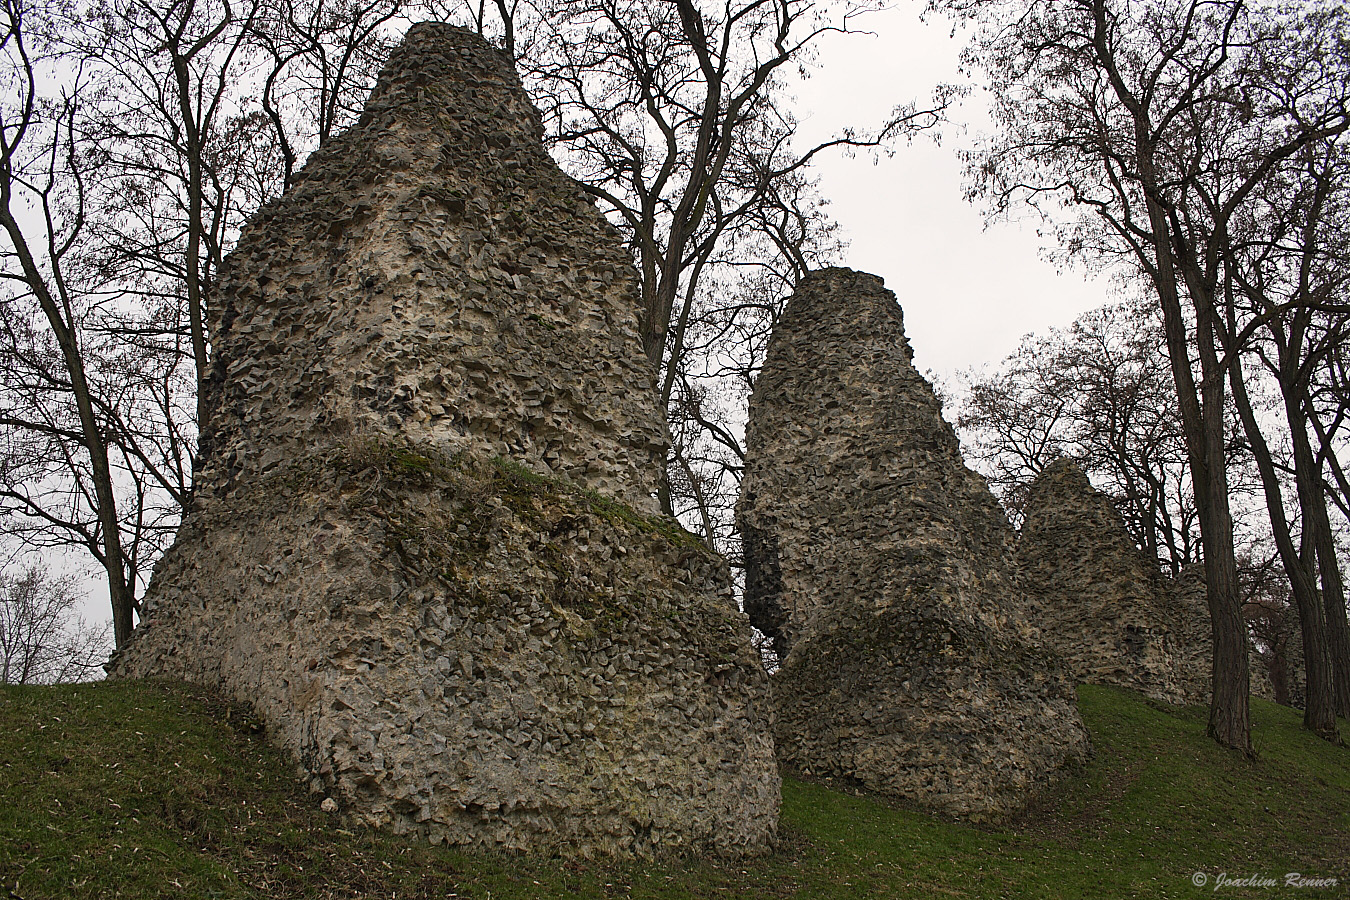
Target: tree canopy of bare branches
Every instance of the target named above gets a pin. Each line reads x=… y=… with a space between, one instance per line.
x=42 y=638
x=1098 y=392
x=1146 y=130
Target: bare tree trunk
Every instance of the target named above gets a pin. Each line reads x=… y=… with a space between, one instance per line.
x=1328 y=563
x=1229 y=710
x=1201 y=408
x=1279 y=678
x=1230 y=701
x=54 y=298
x=1319 y=715
x=57 y=313
x=1333 y=599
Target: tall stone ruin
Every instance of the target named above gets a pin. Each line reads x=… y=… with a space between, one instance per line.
x=1097 y=601
x=421 y=542
x=880 y=566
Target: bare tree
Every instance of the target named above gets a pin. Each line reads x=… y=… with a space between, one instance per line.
x=1097 y=391
x=320 y=59
x=672 y=116
x=728 y=328
x=49 y=497
x=1287 y=271
x=171 y=121
x=42 y=212
x=166 y=75
x=42 y=638
x=1130 y=121
x=1013 y=421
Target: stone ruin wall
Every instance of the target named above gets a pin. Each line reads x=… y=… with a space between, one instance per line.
x=421 y=542
x=1100 y=604
x=880 y=566
x=851 y=471
x=1195 y=635
x=432 y=273
x=1263 y=678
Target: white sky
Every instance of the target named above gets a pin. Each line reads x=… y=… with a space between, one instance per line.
x=969 y=293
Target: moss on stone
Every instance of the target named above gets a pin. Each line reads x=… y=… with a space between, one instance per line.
x=451 y=534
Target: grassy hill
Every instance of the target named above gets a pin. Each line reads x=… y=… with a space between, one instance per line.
x=145 y=790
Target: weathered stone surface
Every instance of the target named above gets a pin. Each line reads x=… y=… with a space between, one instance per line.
x=1094 y=598
x=1195 y=644
x=433 y=272
x=421 y=542
x=880 y=566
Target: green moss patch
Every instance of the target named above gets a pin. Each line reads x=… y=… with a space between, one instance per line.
x=526 y=492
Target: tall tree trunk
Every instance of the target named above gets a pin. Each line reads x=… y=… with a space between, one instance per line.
x=1333 y=584
x=1319 y=716
x=193 y=256
x=1333 y=595
x=1201 y=408
x=1229 y=711
x=1201 y=411
x=59 y=317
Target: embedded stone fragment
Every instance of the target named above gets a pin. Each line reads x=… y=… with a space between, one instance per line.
x=880 y=566
x=423 y=540
x=1095 y=599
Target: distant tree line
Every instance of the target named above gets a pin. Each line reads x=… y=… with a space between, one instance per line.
x=43 y=638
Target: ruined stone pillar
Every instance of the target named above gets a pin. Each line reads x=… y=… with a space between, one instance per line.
x=1094 y=599
x=880 y=566
x=423 y=541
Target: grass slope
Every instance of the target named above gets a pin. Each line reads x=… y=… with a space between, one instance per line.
x=143 y=790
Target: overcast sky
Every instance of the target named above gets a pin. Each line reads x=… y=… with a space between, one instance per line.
x=969 y=292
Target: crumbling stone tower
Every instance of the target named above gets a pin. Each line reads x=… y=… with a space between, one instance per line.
x=881 y=568
x=422 y=540
x=1095 y=599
